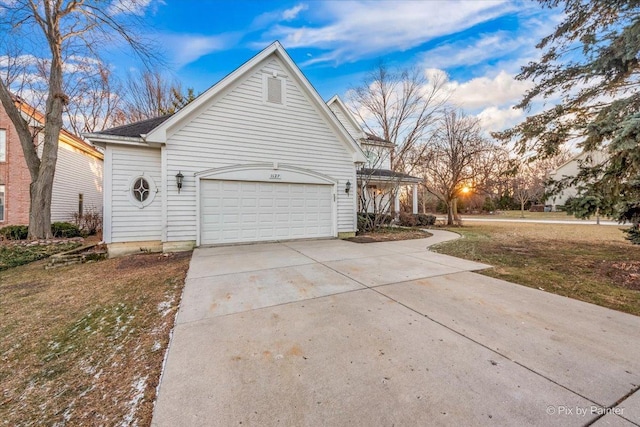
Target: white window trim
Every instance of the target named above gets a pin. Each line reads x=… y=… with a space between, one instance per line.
x=3 y=145
x=153 y=189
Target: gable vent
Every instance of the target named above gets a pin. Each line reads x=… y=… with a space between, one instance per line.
x=274 y=90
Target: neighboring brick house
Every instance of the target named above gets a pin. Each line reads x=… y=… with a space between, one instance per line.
x=77 y=185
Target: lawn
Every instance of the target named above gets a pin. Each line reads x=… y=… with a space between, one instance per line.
x=84 y=344
x=555 y=216
x=586 y=262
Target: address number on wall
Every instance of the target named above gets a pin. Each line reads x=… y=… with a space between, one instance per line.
x=275 y=176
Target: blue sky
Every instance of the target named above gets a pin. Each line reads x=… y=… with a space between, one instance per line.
x=479 y=44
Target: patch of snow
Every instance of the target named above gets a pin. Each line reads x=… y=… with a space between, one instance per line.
x=139 y=385
x=164 y=307
x=156 y=346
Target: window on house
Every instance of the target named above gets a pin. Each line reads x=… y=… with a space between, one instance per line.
x=140 y=189
x=372 y=158
x=80 y=205
x=274 y=89
x=1 y=202
x=3 y=145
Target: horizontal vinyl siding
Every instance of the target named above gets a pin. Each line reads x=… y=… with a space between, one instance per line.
x=76 y=173
x=355 y=133
x=242 y=129
x=128 y=221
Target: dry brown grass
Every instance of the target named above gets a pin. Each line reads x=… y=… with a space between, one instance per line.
x=84 y=344
x=586 y=262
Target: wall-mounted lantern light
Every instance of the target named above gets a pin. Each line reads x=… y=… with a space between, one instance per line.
x=179 y=178
x=347 y=187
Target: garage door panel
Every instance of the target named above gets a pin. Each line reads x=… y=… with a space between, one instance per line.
x=236 y=211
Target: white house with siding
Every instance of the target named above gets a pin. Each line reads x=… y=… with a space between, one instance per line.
x=379 y=187
x=259 y=155
x=77 y=183
x=570 y=170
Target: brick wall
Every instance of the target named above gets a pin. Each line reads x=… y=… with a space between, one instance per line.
x=14 y=175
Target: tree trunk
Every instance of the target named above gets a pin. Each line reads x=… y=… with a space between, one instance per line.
x=522 y=209
x=450 y=214
x=40 y=208
x=42 y=186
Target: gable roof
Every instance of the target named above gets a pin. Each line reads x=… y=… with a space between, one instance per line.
x=159 y=133
x=366 y=136
x=136 y=129
x=337 y=101
x=377 y=140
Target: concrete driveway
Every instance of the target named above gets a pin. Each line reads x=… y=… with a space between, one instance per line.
x=333 y=333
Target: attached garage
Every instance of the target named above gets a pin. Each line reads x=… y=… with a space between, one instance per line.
x=249 y=211
x=258 y=157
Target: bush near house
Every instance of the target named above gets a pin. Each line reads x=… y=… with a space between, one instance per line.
x=65 y=230
x=61 y=230
x=90 y=222
x=369 y=221
x=412 y=220
x=14 y=232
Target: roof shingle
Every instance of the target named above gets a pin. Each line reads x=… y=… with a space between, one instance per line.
x=136 y=129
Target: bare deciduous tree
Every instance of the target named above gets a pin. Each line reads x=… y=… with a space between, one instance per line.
x=70 y=31
x=399 y=107
x=529 y=180
x=152 y=94
x=95 y=101
x=448 y=162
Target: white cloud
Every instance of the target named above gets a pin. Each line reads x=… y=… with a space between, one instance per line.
x=293 y=12
x=464 y=53
x=486 y=91
x=135 y=7
x=187 y=48
x=496 y=119
x=360 y=29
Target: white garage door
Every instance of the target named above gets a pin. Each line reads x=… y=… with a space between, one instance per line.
x=239 y=211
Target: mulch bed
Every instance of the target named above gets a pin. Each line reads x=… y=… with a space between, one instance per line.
x=389 y=236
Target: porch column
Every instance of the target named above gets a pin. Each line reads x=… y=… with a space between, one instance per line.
x=415 y=198
x=396 y=204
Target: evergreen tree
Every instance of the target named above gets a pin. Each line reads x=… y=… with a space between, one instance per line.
x=590 y=65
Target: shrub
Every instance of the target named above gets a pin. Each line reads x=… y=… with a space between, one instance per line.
x=90 y=223
x=488 y=205
x=426 y=219
x=368 y=221
x=407 y=220
x=65 y=230
x=14 y=232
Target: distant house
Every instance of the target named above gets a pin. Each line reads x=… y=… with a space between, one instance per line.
x=379 y=187
x=571 y=169
x=257 y=157
x=77 y=184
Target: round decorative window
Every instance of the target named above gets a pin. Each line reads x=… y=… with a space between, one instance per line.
x=141 y=189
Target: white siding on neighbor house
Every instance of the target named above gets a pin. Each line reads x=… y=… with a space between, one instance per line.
x=356 y=133
x=76 y=173
x=571 y=169
x=382 y=156
x=129 y=222
x=240 y=128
